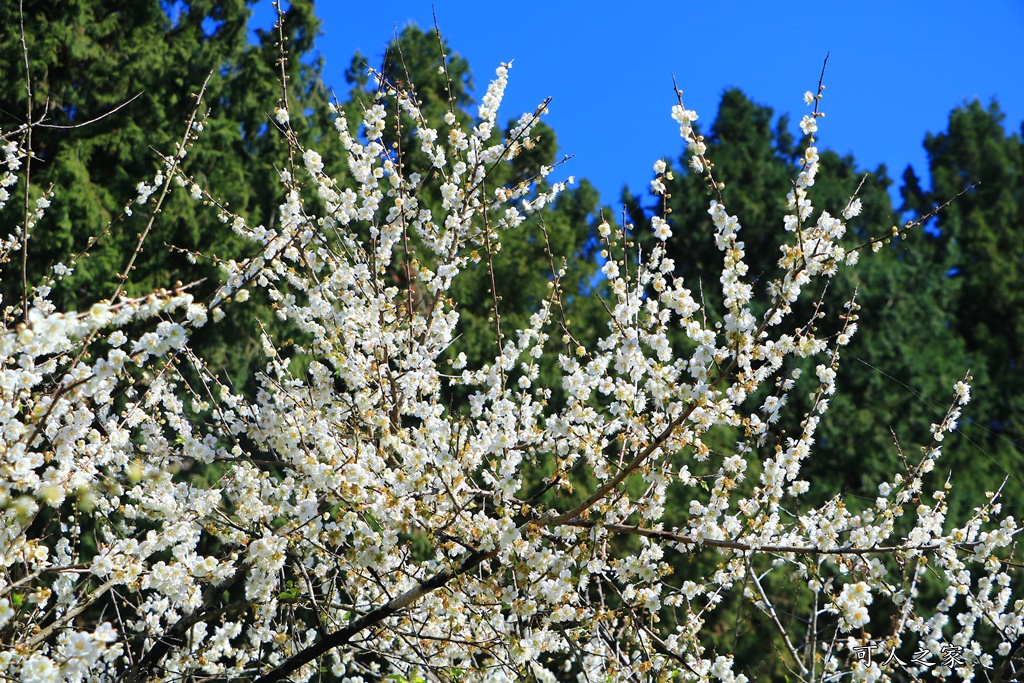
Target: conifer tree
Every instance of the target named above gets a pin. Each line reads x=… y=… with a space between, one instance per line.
x=114 y=84
x=977 y=246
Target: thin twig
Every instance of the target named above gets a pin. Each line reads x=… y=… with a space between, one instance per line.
x=28 y=165
x=91 y=121
x=176 y=160
x=775 y=618
x=746 y=547
x=910 y=225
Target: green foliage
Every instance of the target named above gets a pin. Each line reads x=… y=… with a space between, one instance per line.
x=977 y=246
x=87 y=59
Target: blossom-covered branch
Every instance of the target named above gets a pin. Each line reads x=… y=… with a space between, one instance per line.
x=381 y=506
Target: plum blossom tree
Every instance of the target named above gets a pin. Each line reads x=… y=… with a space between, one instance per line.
x=360 y=527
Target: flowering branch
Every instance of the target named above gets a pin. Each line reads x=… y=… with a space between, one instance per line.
x=350 y=516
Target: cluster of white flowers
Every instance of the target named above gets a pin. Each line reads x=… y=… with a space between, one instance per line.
x=852 y=603
x=350 y=514
x=488 y=110
x=10 y=164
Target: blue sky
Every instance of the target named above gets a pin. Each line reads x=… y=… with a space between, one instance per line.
x=896 y=69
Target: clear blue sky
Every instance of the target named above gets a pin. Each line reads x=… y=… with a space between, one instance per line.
x=897 y=68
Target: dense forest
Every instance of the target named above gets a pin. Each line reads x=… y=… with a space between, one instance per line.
x=116 y=80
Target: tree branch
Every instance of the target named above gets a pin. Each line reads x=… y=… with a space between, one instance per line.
x=175 y=634
x=746 y=547
x=374 y=617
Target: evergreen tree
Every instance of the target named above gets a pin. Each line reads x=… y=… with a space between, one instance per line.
x=87 y=59
x=976 y=244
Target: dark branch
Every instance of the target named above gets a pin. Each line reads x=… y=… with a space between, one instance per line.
x=374 y=617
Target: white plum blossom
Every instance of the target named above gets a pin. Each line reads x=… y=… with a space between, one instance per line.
x=808 y=125
x=386 y=505
x=314 y=163
x=661 y=229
